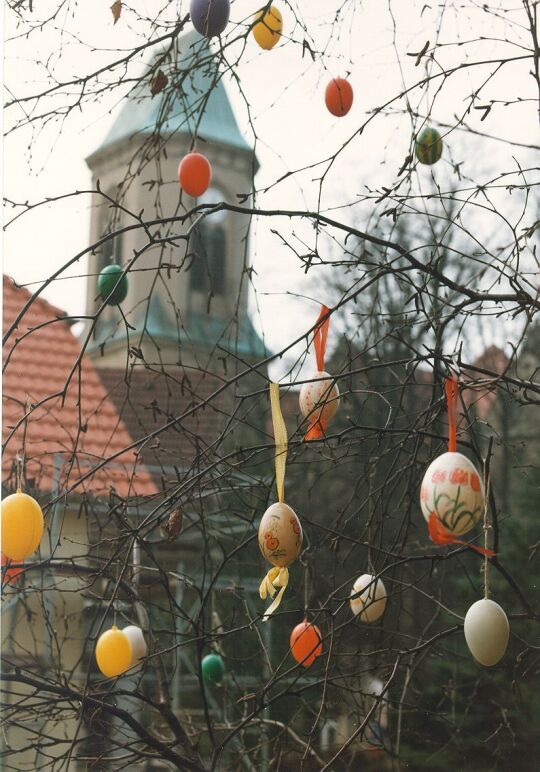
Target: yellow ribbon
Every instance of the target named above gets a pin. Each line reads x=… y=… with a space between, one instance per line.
x=280 y=435
x=274 y=579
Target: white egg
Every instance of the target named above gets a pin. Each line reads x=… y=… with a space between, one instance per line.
x=319 y=398
x=453 y=489
x=138 y=644
x=371 y=603
x=280 y=535
x=486 y=631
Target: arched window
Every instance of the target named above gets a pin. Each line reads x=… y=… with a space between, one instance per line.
x=111 y=250
x=208 y=247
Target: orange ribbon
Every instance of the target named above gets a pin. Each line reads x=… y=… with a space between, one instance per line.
x=441 y=535
x=452 y=393
x=317 y=426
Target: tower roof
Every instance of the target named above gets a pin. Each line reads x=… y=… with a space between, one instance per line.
x=198 y=103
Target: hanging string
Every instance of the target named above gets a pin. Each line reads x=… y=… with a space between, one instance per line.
x=451 y=388
x=281 y=440
x=276 y=580
x=320 y=335
x=19 y=464
x=486 y=529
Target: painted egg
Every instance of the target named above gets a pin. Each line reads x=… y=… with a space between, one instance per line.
x=453 y=489
x=338 y=97
x=113 y=652
x=22 y=526
x=319 y=398
x=213 y=669
x=280 y=535
x=486 y=631
x=139 y=649
x=267 y=31
x=429 y=146
x=210 y=17
x=371 y=602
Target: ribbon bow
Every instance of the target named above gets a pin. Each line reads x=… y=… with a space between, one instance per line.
x=441 y=535
x=318 y=424
x=276 y=578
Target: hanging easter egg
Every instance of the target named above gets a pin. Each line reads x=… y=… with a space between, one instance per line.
x=213 y=669
x=306 y=643
x=429 y=146
x=9 y=574
x=486 y=631
x=194 y=174
x=112 y=285
x=113 y=652
x=339 y=97
x=22 y=526
x=139 y=649
x=319 y=401
x=267 y=31
x=210 y=17
x=280 y=535
x=453 y=490
x=370 y=604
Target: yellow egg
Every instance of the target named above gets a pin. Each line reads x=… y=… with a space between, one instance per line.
x=319 y=399
x=371 y=602
x=113 y=652
x=486 y=631
x=267 y=31
x=22 y=526
x=280 y=535
x=453 y=489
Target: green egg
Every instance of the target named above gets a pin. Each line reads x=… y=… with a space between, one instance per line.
x=110 y=280
x=429 y=146
x=213 y=669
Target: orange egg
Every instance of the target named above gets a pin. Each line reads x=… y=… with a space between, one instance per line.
x=194 y=174
x=280 y=535
x=339 y=97
x=306 y=643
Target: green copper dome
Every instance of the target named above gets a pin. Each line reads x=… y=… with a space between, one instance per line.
x=185 y=110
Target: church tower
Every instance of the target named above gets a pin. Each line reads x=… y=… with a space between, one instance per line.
x=187 y=298
x=184 y=326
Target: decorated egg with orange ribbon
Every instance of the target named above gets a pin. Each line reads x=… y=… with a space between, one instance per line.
x=280 y=535
x=306 y=643
x=319 y=401
x=453 y=490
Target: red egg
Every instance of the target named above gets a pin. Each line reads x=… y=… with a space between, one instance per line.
x=306 y=643
x=10 y=573
x=339 y=97
x=194 y=174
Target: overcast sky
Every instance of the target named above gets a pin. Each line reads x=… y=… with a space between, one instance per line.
x=286 y=91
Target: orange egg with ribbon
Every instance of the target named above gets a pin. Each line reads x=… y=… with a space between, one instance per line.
x=194 y=174
x=319 y=396
x=306 y=643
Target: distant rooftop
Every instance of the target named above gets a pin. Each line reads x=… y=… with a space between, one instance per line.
x=200 y=104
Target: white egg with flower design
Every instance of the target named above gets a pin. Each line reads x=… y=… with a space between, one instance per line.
x=319 y=397
x=452 y=488
x=280 y=535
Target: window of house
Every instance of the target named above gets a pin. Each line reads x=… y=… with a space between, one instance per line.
x=208 y=246
x=110 y=250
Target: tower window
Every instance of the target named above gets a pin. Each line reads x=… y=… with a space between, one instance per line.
x=111 y=250
x=207 y=270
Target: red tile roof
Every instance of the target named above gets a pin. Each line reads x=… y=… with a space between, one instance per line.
x=65 y=439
